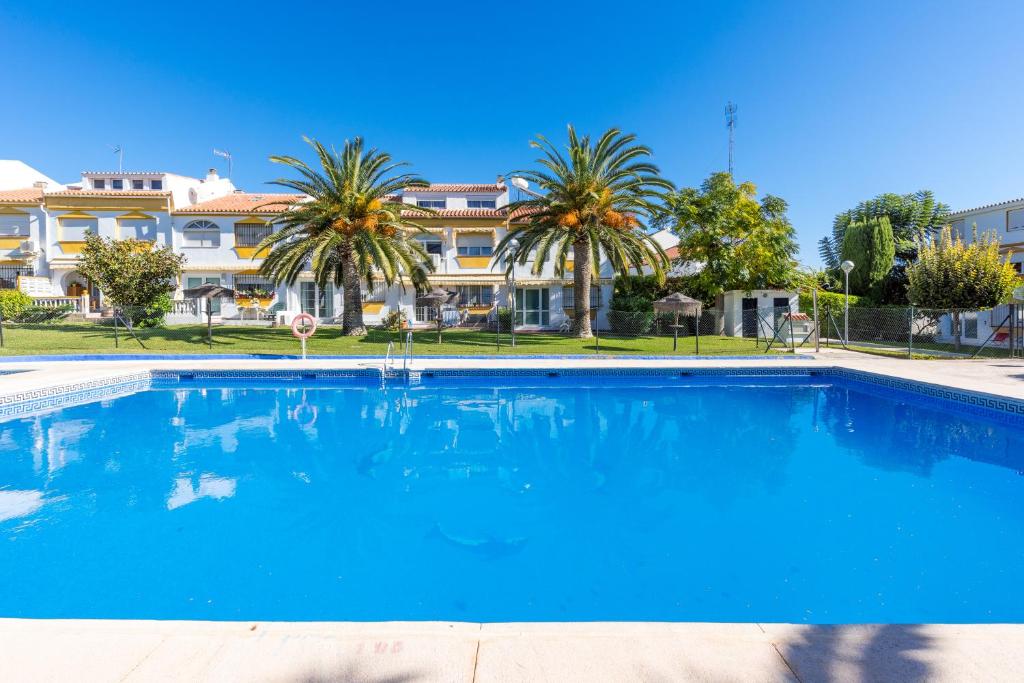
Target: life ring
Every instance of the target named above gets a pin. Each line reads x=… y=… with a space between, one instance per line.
x=309 y=322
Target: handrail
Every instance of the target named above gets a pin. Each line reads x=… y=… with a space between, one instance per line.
x=387 y=356
x=407 y=356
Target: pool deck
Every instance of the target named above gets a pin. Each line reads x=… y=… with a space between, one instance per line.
x=111 y=650
x=85 y=651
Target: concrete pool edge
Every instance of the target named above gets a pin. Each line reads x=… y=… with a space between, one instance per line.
x=975 y=385
x=104 y=650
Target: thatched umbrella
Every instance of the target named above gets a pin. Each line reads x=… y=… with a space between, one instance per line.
x=437 y=297
x=680 y=303
x=207 y=292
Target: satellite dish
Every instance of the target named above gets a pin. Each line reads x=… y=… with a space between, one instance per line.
x=521 y=183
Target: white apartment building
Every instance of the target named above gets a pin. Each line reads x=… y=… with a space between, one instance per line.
x=1005 y=220
x=216 y=227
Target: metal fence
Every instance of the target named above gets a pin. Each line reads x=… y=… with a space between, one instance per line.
x=925 y=332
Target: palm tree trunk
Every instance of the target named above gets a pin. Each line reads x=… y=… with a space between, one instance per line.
x=581 y=276
x=352 y=315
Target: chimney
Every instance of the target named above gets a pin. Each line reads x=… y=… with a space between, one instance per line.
x=500 y=182
x=211 y=176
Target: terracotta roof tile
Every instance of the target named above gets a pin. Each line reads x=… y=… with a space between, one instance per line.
x=457 y=213
x=244 y=202
x=457 y=187
x=109 y=193
x=672 y=253
x=28 y=195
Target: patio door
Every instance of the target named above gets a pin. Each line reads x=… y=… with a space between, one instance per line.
x=193 y=282
x=318 y=302
x=750 y=316
x=533 y=306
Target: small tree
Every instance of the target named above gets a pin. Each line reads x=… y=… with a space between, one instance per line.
x=869 y=244
x=952 y=275
x=132 y=273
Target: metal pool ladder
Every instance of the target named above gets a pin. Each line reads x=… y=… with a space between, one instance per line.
x=407 y=356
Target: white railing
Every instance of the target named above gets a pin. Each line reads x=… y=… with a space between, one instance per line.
x=77 y=302
x=186 y=307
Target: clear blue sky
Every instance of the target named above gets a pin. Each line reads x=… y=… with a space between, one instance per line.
x=837 y=102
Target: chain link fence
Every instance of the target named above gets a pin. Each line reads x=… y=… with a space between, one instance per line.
x=925 y=332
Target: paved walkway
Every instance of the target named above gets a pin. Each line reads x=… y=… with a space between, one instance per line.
x=58 y=650
x=84 y=651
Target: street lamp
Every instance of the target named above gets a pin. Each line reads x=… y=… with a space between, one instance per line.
x=513 y=250
x=846 y=267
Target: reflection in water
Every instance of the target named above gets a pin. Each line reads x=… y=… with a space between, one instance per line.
x=210 y=486
x=538 y=499
x=15 y=504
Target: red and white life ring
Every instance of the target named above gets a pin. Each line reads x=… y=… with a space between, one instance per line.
x=303 y=319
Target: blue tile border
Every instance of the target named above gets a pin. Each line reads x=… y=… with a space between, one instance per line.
x=977 y=403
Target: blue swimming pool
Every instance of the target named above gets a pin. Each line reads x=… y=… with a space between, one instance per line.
x=790 y=498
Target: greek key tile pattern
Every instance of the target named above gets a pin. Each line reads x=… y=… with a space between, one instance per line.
x=987 y=405
x=48 y=398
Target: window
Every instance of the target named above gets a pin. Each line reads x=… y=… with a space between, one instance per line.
x=532 y=306
x=9 y=275
x=970 y=322
x=156 y=184
x=482 y=203
x=201 y=234
x=74 y=229
x=137 y=229
x=1015 y=219
x=247 y=284
x=1016 y=267
x=14 y=225
x=99 y=184
x=475 y=245
x=432 y=203
x=375 y=294
x=117 y=184
x=316 y=301
x=476 y=251
x=432 y=245
x=475 y=295
x=569 y=297
x=138 y=184
x=251 y=234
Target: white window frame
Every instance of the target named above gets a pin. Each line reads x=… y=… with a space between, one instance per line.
x=156 y=185
x=1010 y=227
x=491 y=203
x=432 y=203
x=204 y=227
x=99 y=183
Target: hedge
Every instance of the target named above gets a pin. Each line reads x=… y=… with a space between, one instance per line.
x=833 y=299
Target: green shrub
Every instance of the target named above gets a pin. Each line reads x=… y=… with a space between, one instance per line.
x=44 y=314
x=834 y=299
x=631 y=322
x=394 y=321
x=13 y=303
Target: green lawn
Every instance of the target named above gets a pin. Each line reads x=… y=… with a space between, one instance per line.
x=90 y=337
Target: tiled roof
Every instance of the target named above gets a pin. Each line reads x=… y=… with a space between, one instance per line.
x=24 y=195
x=672 y=253
x=122 y=173
x=457 y=187
x=962 y=212
x=457 y=213
x=109 y=193
x=244 y=202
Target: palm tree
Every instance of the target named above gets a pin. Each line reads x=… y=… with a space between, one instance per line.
x=592 y=198
x=350 y=227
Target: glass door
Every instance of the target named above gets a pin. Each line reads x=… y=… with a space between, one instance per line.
x=192 y=282
x=532 y=306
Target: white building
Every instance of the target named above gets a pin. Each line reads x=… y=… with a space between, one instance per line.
x=217 y=228
x=1005 y=220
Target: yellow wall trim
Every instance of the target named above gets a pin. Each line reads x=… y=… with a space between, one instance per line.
x=13 y=262
x=247 y=252
x=473 y=261
x=75 y=214
x=11 y=242
x=71 y=247
x=372 y=307
x=11 y=211
x=251 y=220
x=251 y=271
x=136 y=215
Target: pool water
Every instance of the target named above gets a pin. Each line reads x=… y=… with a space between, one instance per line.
x=504 y=499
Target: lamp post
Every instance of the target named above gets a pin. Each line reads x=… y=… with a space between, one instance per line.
x=846 y=267
x=513 y=248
